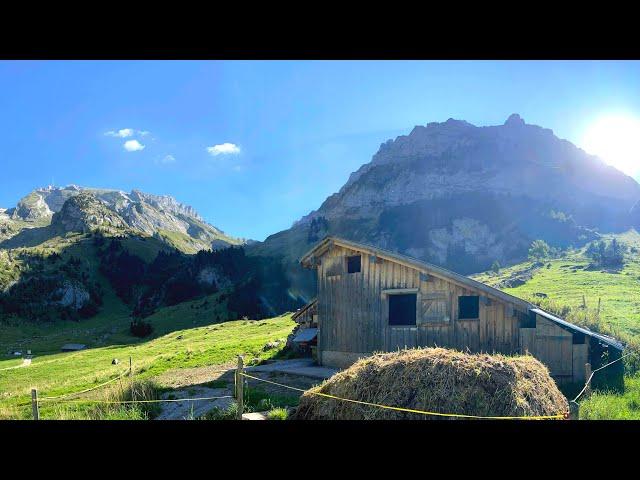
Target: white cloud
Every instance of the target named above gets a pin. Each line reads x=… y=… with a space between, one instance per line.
x=168 y=159
x=133 y=146
x=126 y=133
x=122 y=133
x=224 y=149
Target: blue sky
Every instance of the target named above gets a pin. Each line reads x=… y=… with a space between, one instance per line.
x=297 y=129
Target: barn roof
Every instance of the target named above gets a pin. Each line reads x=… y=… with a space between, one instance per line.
x=304 y=309
x=563 y=323
x=325 y=244
x=306 y=335
x=73 y=346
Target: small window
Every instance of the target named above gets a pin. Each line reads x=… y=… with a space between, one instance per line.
x=402 y=309
x=353 y=264
x=468 y=307
x=526 y=319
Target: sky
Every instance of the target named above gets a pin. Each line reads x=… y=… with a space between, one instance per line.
x=255 y=145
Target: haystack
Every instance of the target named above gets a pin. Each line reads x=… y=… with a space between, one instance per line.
x=436 y=380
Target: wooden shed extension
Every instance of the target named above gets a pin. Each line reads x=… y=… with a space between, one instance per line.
x=370 y=299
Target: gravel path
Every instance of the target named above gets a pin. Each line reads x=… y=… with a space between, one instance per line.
x=195 y=409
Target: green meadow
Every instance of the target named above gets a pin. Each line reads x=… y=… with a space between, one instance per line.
x=570 y=281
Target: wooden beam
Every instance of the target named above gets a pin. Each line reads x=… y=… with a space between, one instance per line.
x=399 y=291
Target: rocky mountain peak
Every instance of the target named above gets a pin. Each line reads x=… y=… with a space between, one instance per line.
x=514 y=120
x=83 y=213
x=82 y=209
x=463 y=196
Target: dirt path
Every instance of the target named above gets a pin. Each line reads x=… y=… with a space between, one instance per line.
x=218 y=381
x=25 y=363
x=195 y=409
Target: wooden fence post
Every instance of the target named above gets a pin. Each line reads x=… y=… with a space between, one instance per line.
x=587 y=372
x=599 y=299
x=240 y=387
x=34 y=404
x=574 y=410
x=130 y=367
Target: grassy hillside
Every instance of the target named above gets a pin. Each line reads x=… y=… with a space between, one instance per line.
x=569 y=279
x=61 y=373
x=569 y=282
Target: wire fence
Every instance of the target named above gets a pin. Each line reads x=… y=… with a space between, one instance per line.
x=409 y=410
x=239 y=396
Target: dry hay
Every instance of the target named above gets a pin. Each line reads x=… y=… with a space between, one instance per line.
x=436 y=380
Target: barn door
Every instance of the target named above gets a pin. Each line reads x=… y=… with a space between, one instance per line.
x=434 y=318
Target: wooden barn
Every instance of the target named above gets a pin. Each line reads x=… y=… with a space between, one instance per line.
x=371 y=300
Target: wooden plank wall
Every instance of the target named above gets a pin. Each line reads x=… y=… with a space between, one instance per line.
x=353 y=317
x=353 y=311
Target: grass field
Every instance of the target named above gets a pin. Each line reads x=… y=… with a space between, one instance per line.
x=567 y=281
x=63 y=373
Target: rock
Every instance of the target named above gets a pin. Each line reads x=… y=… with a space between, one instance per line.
x=73 y=295
x=514 y=120
x=83 y=213
x=271 y=346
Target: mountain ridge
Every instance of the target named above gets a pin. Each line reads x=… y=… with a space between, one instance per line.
x=463 y=196
x=157 y=215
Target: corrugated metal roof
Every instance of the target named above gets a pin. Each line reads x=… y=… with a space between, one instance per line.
x=603 y=338
x=73 y=346
x=306 y=335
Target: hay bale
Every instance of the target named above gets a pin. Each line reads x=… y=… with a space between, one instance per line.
x=436 y=380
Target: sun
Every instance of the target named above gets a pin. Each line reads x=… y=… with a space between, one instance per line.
x=616 y=139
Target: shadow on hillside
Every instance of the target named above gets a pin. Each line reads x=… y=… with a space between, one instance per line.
x=604 y=269
x=29 y=237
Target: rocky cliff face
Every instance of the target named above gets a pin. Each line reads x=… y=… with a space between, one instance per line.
x=74 y=208
x=463 y=196
x=84 y=213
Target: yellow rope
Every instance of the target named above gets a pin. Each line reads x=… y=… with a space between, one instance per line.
x=146 y=401
x=408 y=410
x=86 y=390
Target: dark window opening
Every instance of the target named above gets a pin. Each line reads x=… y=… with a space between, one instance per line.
x=353 y=264
x=526 y=319
x=468 y=307
x=402 y=309
x=579 y=338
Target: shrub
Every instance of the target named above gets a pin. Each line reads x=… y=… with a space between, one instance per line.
x=539 y=250
x=278 y=414
x=605 y=254
x=140 y=328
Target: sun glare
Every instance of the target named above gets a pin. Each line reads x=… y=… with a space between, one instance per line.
x=616 y=139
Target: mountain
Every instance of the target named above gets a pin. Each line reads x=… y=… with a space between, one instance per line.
x=74 y=208
x=75 y=253
x=463 y=196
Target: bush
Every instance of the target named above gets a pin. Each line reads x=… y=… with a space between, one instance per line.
x=605 y=254
x=539 y=250
x=140 y=328
x=495 y=267
x=278 y=414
